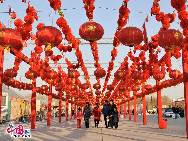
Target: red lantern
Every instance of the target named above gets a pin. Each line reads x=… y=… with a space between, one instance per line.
x=130 y=36
x=178 y=4
x=174 y=74
x=58 y=88
x=136 y=88
x=97 y=92
x=100 y=73
x=91 y=31
x=110 y=87
x=84 y=86
x=159 y=75
x=96 y=86
x=73 y=74
x=10 y=73
x=119 y=74
x=121 y=88
x=136 y=75
x=52 y=75
x=148 y=87
x=49 y=35
x=170 y=38
x=30 y=75
x=69 y=81
x=11 y=38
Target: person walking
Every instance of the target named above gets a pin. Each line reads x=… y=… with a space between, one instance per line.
x=111 y=112
x=115 y=117
x=105 y=112
x=97 y=115
x=79 y=117
x=87 y=114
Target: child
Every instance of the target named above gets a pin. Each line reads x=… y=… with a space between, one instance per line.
x=115 y=117
x=79 y=117
x=97 y=115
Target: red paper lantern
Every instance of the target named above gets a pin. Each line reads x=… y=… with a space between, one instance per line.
x=135 y=88
x=97 y=92
x=91 y=31
x=170 y=38
x=73 y=74
x=84 y=86
x=178 y=4
x=30 y=75
x=100 y=73
x=44 y=88
x=159 y=75
x=121 y=88
x=10 y=73
x=10 y=37
x=119 y=74
x=174 y=74
x=49 y=35
x=148 y=87
x=52 y=75
x=96 y=86
x=110 y=87
x=136 y=75
x=58 y=88
x=130 y=36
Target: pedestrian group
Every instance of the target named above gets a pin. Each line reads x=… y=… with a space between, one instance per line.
x=109 y=111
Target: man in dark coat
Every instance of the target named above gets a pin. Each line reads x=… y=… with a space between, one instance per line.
x=105 y=112
x=87 y=114
x=111 y=112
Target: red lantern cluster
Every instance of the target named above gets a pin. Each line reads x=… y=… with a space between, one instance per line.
x=91 y=31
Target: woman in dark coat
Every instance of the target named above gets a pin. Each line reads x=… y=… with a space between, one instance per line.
x=115 y=117
x=87 y=114
x=111 y=112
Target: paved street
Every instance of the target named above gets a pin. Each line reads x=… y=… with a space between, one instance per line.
x=127 y=131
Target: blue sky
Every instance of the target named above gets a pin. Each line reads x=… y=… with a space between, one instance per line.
x=106 y=17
